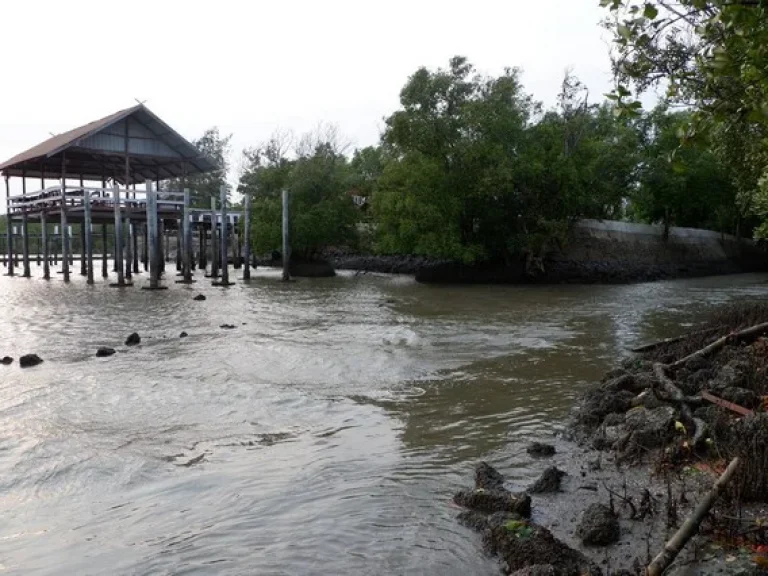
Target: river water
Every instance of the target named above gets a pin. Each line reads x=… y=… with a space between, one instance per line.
x=325 y=434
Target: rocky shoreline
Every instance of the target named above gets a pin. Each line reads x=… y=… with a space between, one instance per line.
x=637 y=460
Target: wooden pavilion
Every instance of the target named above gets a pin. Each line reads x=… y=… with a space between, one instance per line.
x=130 y=147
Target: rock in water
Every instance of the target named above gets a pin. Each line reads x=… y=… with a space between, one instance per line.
x=549 y=481
x=532 y=549
x=6 y=360
x=199 y=297
x=104 y=351
x=491 y=501
x=227 y=326
x=29 y=360
x=541 y=450
x=183 y=335
x=133 y=340
x=599 y=526
x=488 y=478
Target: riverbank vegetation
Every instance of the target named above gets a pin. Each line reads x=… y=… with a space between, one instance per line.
x=471 y=168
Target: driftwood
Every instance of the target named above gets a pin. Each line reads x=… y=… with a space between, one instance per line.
x=653 y=345
x=676 y=395
x=751 y=333
x=726 y=404
x=691 y=524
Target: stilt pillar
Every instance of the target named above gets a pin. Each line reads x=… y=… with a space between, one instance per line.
x=64 y=231
x=104 y=252
x=88 y=228
x=286 y=239
x=118 y=237
x=46 y=256
x=247 y=238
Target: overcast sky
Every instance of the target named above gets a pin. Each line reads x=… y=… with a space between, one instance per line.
x=251 y=67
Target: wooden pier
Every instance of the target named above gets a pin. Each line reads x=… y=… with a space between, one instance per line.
x=128 y=171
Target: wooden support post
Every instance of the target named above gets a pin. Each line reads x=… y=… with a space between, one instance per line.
x=64 y=226
x=179 y=236
x=160 y=235
x=25 y=231
x=224 y=258
x=135 y=243
x=37 y=251
x=167 y=252
x=25 y=243
x=286 y=239
x=56 y=243
x=104 y=252
x=118 y=237
x=46 y=258
x=88 y=227
x=83 y=267
x=128 y=246
x=214 y=241
x=145 y=245
x=187 y=230
x=152 y=230
x=9 y=227
x=202 y=248
x=247 y=238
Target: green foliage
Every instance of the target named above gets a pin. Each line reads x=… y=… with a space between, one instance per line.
x=322 y=212
x=472 y=176
x=206 y=186
x=520 y=529
x=708 y=55
x=681 y=185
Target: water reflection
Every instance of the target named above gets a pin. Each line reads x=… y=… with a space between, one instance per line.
x=324 y=434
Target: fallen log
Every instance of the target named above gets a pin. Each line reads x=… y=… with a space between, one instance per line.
x=751 y=333
x=675 y=544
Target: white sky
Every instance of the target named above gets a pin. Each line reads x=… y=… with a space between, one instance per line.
x=251 y=67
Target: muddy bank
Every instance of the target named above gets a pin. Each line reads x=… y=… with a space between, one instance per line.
x=594 y=252
x=642 y=450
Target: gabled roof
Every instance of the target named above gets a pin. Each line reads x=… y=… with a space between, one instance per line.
x=98 y=150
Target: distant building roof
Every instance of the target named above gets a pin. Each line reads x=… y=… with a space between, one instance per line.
x=98 y=150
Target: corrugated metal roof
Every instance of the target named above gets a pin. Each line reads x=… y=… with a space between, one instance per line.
x=97 y=150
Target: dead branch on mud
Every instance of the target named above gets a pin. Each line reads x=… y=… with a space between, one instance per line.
x=691 y=524
x=748 y=334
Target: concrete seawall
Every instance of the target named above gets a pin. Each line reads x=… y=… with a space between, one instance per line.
x=595 y=252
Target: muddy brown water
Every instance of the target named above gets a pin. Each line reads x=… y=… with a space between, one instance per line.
x=325 y=434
